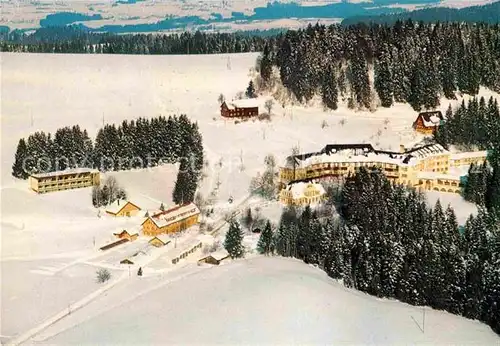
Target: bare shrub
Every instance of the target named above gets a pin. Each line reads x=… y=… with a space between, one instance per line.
x=324 y=124
x=216 y=245
x=103 y=275
x=269 y=106
x=342 y=122
x=264 y=117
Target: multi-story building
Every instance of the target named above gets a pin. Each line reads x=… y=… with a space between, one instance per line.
x=302 y=193
x=64 y=180
x=426 y=167
x=172 y=220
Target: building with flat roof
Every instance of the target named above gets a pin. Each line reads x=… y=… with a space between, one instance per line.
x=426 y=167
x=64 y=180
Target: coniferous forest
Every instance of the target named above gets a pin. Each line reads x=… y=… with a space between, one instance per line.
x=409 y=62
x=73 y=40
x=476 y=125
x=139 y=143
x=388 y=243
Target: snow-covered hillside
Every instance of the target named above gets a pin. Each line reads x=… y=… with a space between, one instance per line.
x=51 y=241
x=265 y=301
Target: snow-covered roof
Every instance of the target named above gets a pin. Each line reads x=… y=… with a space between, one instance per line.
x=146 y=203
x=244 y=103
x=175 y=214
x=118 y=205
x=184 y=246
x=298 y=189
x=433 y=121
x=345 y=157
x=164 y=238
x=468 y=154
x=133 y=231
x=219 y=255
x=65 y=172
x=435 y=175
x=427 y=151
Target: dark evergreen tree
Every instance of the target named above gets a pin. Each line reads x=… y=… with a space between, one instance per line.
x=359 y=79
x=329 y=90
x=20 y=160
x=247 y=219
x=383 y=78
x=185 y=185
x=233 y=241
x=250 y=92
x=265 y=244
x=266 y=65
x=492 y=193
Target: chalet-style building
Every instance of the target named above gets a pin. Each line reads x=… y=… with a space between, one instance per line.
x=429 y=167
x=239 y=109
x=172 y=220
x=215 y=258
x=160 y=240
x=428 y=122
x=64 y=180
x=122 y=208
x=129 y=235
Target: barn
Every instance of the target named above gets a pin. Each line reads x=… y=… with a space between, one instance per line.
x=172 y=220
x=215 y=258
x=122 y=208
x=239 y=109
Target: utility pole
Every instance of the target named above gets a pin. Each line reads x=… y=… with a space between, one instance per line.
x=423 y=320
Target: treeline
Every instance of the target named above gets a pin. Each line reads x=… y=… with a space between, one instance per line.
x=476 y=125
x=139 y=143
x=489 y=13
x=388 y=243
x=411 y=62
x=74 y=40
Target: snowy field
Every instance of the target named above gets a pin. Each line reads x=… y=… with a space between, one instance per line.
x=51 y=241
x=264 y=301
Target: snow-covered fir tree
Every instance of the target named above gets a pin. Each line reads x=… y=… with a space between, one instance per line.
x=265 y=244
x=18 y=168
x=233 y=243
x=186 y=183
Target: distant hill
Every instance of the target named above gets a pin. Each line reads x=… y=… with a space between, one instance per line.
x=486 y=13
